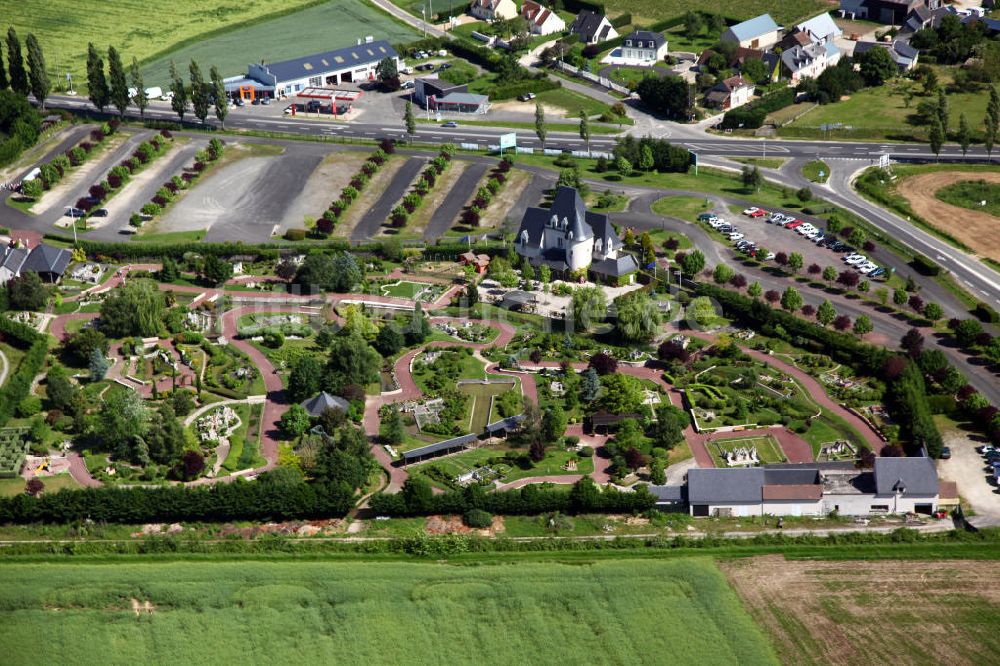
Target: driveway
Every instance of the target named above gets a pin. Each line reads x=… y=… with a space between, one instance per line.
x=968 y=470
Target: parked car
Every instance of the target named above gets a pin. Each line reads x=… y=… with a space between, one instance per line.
x=857 y=260
x=760 y=212
x=527 y=97
x=450 y=123
x=240 y=102
x=706 y=217
x=769 y=257
x=751 y=210
x=878 y=272
x=443 y=66
x=265 y=100
x=74 y=212
x=945 y=453
x=985 y=448
x=100 y=212
x=735 y=236
x=407 y=85
x=793 y=225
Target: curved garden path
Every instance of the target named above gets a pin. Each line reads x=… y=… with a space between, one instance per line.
x=275 y=403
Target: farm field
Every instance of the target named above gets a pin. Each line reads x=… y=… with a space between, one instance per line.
x=64 y=27
x=913 y=613
x=785 y=13
x=322 y=27
x=376 y=612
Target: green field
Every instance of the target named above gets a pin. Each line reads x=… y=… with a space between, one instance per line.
x=816 y=170
x=785 y=13
x=482 y=395
x=53 y=484
x=324 y=27
x=969 y=194
x=64 y=27
x=371 y=612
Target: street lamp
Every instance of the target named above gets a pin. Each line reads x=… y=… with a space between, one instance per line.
x=72 y=215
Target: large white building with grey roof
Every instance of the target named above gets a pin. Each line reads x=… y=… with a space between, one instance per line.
x=760 y=32
x=352 y=64
x=570 y=239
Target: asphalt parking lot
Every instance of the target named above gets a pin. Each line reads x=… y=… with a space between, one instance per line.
x=777 y=239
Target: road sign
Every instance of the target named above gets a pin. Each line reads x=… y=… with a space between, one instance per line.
x=508 y=140
x=883 y=161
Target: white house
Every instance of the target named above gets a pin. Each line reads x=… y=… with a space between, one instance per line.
x=820 y=28
x=11 y=261
x=570 y=239
x=541 y=20
x=488 y=10
x=893 y=486
x=643 y=47
x=809 y=60
x=760 y=32
x=593 y=28
x=730 y=93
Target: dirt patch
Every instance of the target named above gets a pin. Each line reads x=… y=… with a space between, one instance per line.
x=528 y=109
x=975 y=229
x=873 y=612
x=454 y=525
x=323 y=187
x=497 y=211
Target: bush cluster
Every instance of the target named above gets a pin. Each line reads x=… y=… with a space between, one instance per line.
x=18 y=385
x=169 y=190
x=328 y=220
x=751 y=116
x=401 y=213
x=473 y=213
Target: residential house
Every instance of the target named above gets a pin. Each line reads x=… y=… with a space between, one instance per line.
x=922 y=17
x=569 y=239
x=904 y=55
x=541 y=20
x=811 y=60
x=643 y=47
x=49 y=262
x=820 y=28
x=894 y=485
x=488 y=10
x=730 y=93
x=760 y=32
x=740 y=57
x=889 y=12
x=593 y=28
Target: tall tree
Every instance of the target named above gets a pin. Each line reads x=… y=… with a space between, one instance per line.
x=199 y=96
x=117 y=85
x=4 y=83
x=942 y=111
x=97 y=83
x=825 y=313
x=964 y=134
x=540 y=123
x=179 y=101
x=936 y=137
x=992 y=120
x=221 y=99
x=585 y=128
x=141 y=98
x=409 y=120
x=15 y=63
x=38 y=78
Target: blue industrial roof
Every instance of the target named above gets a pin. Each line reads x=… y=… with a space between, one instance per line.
x=755 y=27
x=331 y=61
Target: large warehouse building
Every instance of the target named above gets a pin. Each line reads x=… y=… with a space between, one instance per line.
x=352 y=64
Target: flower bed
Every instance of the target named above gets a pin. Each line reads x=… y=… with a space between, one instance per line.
x=411 y=202
x=118 y=176
x=472 y=215
x=168 y=192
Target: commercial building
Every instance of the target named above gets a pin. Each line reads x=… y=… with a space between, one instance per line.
x=893 y=486
x=352 y=64
x=439 y=95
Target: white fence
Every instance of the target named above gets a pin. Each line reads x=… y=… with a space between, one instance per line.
x=589 y=76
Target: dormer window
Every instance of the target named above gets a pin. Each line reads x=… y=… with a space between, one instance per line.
x=565 y=223
x=554 y=221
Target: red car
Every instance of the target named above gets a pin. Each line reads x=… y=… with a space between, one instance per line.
x=796 y=223
x=760 y=212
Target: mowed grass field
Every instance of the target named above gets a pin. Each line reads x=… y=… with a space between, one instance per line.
x=197 y=612
x=784 y=11
x=323 y=27
x=134 y=27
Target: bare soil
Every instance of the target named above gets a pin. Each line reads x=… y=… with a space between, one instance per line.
x=528 y=109
x=454 y=525
x=505 y=200
x=976 y=229
x=873 y=612
x=323 y=187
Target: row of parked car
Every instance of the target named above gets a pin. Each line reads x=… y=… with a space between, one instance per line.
x=992 y=455
x=858 y=261
x=733 y=234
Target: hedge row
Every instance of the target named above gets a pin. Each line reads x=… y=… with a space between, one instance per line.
x=326 y=223
x=473 y=214
x=751 y=116
x=240 y=500
x=161 y=200
x=585 y=497
x=428 y=179
x=18 y=385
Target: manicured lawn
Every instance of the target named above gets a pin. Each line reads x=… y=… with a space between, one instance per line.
x=481 y=403
x=368 y=612
x=53 y=484
x=320 y=27
x=170 y=237
x=816 y=170
x=573 y=102
x=762 y=162
x=970 y=193
x=686 y=208
x=573 y=128
x=768 y=449
x=615 y=203
x=237 y=439
x=403 y=289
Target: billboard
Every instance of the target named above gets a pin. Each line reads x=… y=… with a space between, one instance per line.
x=508 y=140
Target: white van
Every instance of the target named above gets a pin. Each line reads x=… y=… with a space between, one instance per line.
x=154 y=92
